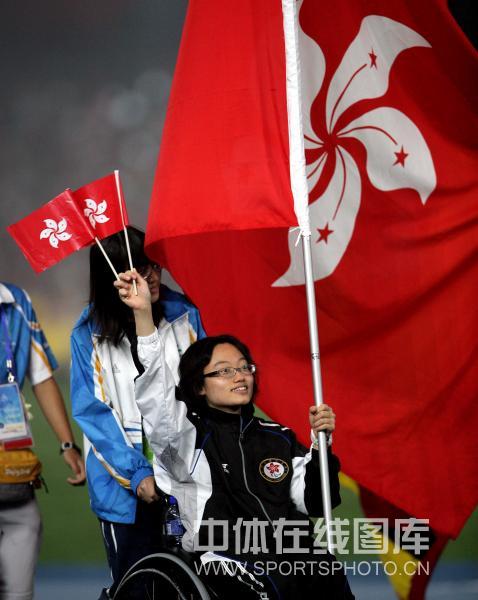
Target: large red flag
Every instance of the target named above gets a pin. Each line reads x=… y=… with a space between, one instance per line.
x=389 y=117
x=102 y=203
x=52 y=232
x=225 y=138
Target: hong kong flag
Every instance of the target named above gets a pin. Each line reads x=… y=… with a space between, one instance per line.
x=389 y=118
x=52 y=232
x=102 y=203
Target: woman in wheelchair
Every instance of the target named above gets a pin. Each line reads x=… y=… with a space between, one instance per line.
x=245 y=486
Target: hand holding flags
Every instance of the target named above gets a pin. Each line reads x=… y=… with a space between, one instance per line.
x=71 y=221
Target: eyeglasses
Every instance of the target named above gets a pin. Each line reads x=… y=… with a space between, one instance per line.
x=230 y=372
x=147 y=271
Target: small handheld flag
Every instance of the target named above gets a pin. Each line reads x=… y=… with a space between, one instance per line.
x=102 y=205
x=52 y=232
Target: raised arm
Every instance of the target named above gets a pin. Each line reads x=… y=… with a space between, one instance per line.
x=171 y=435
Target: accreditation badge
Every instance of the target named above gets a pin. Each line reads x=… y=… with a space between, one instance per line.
x=14 y=428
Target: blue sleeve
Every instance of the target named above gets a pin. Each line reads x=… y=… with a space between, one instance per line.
x=33 y=356
x=195 y=320
x=100 y=422
x=39 y=336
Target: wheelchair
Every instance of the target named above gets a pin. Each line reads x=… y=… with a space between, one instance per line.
x=164 y=575
x=172 y=574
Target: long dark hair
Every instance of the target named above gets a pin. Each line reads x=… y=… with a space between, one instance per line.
x=193 y=362
x=113 y=318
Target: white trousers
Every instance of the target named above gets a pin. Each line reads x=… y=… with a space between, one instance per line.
x=20 y=537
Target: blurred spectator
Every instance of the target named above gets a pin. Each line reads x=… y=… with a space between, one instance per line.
x=24 y=352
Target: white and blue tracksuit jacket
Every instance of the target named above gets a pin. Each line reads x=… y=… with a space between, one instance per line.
x=31 y=353
x=104 y=405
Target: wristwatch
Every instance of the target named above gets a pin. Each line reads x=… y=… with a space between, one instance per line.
x=69 y=446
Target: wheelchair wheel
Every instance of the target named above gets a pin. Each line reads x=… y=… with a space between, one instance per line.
x=161 y=576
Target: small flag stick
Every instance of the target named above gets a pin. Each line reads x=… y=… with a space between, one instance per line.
x=107 y=258
x=128 y=249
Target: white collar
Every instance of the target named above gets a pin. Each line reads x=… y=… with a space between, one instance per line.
x=6 y=295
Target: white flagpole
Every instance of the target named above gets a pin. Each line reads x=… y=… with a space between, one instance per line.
x=107 y=258
x=128 y=249
x=300 y=194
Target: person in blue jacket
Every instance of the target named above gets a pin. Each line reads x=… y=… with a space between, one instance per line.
x=25 y=354
x=104 y=367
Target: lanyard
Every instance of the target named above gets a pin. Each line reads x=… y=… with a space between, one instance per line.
x=8 y=347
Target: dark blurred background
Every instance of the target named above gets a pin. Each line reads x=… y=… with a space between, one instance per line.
x=84 y=91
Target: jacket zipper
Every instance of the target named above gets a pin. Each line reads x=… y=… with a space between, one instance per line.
x=241 y=435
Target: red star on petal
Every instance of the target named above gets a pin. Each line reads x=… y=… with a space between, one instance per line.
x=373 y=59
x=401 y=156
x=324 y=234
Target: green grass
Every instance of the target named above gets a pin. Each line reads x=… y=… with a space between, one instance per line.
x=71 y=531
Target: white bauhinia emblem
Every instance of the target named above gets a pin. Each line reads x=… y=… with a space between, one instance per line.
x=397 y=154
x=55 y=232
x=95 y=212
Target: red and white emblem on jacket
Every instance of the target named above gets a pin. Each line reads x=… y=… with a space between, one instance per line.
x=273 y=469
